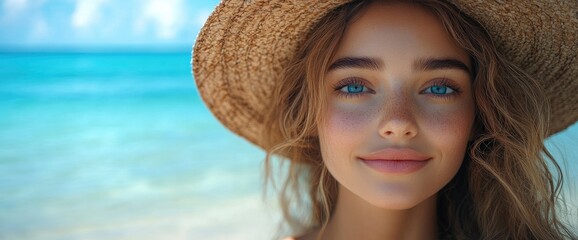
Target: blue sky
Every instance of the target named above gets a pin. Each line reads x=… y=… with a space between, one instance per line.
x=101 y=23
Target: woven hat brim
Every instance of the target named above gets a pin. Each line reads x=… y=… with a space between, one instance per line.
x=541 y=37
x=244 y=45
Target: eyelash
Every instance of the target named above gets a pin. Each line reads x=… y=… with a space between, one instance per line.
x=357 y=81
x=351 y=81
x=445 y=83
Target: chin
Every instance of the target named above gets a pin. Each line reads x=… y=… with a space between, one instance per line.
x=395 y=204
x=397 y=201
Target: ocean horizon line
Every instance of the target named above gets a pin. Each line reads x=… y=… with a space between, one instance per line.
x=113 y=49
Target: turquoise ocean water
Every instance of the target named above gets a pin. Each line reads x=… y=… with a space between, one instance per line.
x=120 y=146
x=117 y=146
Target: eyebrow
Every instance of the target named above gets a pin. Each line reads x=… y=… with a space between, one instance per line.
x=440 y=63
x=357 y=62
x=420 y=64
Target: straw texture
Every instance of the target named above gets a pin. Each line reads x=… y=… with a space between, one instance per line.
x=244 y=45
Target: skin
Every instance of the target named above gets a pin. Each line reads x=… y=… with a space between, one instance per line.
x=396 y=108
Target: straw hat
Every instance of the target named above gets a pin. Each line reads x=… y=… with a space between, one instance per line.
x=244 y=45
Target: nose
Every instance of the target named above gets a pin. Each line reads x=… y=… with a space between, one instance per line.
x=398 y=122
x=399 y=130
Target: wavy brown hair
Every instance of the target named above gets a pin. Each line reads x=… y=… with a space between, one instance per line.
x=504 y=188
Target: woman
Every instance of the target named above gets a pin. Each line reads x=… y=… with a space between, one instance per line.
x=399 y=120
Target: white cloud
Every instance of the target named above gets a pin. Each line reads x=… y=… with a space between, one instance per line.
x=86 y=13
x=164 y=16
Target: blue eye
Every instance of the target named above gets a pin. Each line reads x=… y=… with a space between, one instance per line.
x=439 y=90
x=354 y=88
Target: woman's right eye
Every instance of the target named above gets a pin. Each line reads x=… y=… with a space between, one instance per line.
x=352 y=87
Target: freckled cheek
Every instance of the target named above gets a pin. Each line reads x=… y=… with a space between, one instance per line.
x=350 y=120
x=344 y=129
x=451 y=127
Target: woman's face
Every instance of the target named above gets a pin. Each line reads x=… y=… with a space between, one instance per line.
x=400 y=107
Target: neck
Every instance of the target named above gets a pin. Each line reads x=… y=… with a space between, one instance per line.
x=354 y=218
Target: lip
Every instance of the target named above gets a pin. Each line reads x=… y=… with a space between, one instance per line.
x=396 y=160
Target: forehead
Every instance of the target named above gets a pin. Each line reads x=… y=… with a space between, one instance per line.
x=398 y=30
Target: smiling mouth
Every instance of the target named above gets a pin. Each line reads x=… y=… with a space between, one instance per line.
x=396 y=166
x=395 y=160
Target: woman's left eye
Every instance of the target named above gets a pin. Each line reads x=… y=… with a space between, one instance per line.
x=353 y=88
x=439 y=90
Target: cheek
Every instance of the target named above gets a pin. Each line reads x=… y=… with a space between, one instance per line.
x=446 y=134
x=348 y=118
x=448 y=131
x=345 y=128
x=447 y=126
x=347 y=123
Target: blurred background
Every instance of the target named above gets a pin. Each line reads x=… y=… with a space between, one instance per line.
x=103 y=134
